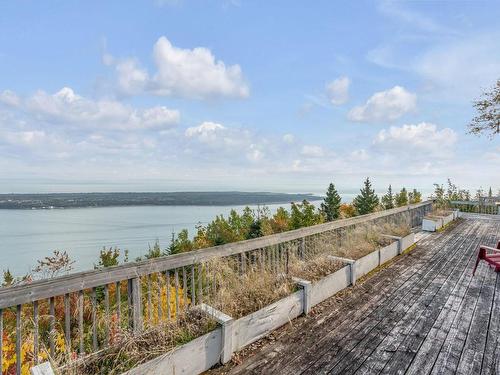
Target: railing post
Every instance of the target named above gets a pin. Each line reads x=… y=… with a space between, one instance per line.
x=228 y=327
x=307 y=293
x=134 y=290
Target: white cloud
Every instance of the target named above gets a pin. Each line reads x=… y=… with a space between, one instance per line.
x=409 y=18
x=131 y=79
x=68 y=108
x=463 y=67
x=9 y=98
x=386 y=105
x=312 y=151
x=254 y=154
x=288 y=138
x=423 y=138
x=25 y=138
x=205 y=132
x=338 y=90
x=191 y=73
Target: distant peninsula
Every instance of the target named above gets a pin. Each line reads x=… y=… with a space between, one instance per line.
x=80 y=200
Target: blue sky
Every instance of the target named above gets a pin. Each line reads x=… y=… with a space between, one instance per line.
x=283 y=96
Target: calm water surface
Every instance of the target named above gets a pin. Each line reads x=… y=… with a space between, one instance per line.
x=28 y=235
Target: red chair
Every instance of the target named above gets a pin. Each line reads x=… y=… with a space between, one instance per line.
x=492 y=258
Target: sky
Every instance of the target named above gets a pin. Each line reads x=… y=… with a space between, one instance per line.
x=173 y=95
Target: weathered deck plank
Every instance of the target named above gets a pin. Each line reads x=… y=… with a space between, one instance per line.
x=423 y=314
x=347 y=319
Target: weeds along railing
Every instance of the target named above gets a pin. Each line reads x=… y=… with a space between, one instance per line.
x=476 y=207
x=78 y=314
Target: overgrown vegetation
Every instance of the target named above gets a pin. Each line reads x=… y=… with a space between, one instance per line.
x=134 y=350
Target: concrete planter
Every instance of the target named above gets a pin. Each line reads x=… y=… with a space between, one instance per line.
x=432 y=223
x=378 y=257
x=388 y=252
x=367 y=263
x=448 y=219
x=407 y=241
x=330 y=285
x=253 y=327
x=195 y=357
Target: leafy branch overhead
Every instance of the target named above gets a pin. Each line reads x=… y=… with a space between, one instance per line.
x=487 y=120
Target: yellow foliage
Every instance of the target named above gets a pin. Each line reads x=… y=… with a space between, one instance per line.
x=171 y=304
x=27 y=353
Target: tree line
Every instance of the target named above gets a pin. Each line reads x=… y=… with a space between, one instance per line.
x=261 y=222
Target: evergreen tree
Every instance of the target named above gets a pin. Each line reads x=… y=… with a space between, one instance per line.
x=414 y=196
x=8 y=278
x=402 y=198
x=367 y=200
x=388 y=199
x=490 y=193
x=179 y=244
x=331 y=204
x=304 y=215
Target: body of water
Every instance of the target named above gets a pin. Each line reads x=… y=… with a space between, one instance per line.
x=29 y=235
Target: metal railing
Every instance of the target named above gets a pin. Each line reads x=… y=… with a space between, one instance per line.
x=68 y=308
x=476 y=207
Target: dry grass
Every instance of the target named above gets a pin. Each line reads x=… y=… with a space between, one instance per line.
x=242 y=294
x=314 y=269
x=439 y=212
x=361 y=241
x=395 y=229
x=131 y=350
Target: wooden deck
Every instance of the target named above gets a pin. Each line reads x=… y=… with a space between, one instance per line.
x=424 y=314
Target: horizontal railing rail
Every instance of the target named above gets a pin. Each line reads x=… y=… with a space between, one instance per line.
x=150 y=291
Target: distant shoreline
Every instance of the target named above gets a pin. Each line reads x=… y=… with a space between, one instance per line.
x=48 y=201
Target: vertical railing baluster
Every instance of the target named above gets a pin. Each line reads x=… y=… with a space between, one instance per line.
x=80 y=322
x=302 y=247
x=19 y=341
x=214 y=282
x=35 y=333
x=106 y=312
x=176 y=283
x=52 y=318
x=159 y=278
x=67 y=322
x=94 y=319
x=200 y=283
x=193 y=286
x=118 y=296
x=167 y=283
x=243 y=262
x=184 y=286
x=150 y=304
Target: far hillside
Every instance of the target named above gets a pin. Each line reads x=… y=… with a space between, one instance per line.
x=75 y=200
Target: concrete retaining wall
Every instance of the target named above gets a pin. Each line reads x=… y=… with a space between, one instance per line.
x=407 y=241
x=389 y=252
x=194 y=357
x=329 y=285
x=252 y=327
